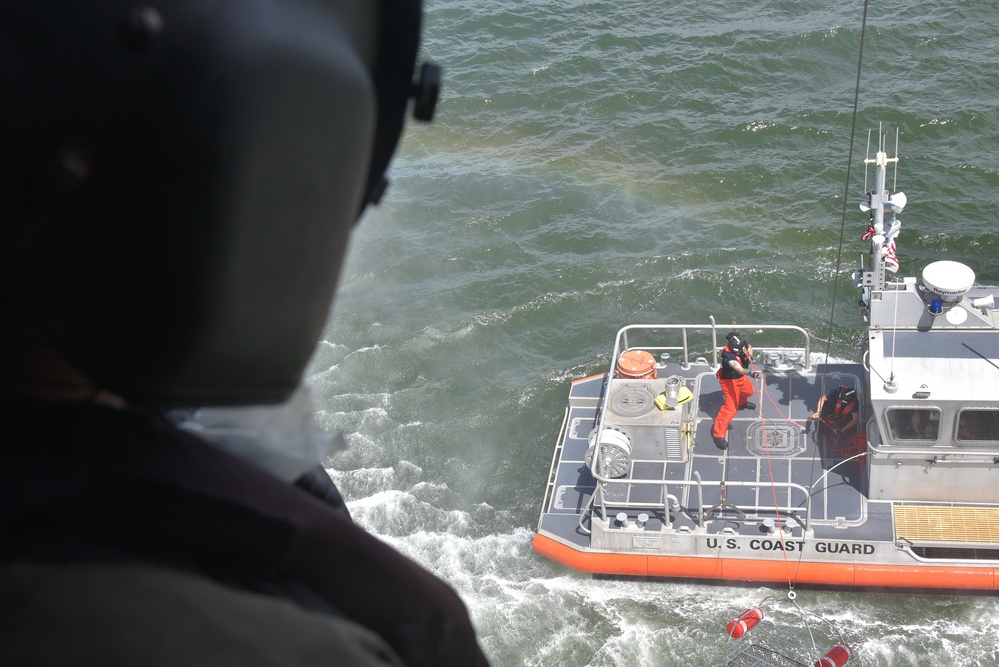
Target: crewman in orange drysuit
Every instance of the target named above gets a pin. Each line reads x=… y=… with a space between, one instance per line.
x=735 y=385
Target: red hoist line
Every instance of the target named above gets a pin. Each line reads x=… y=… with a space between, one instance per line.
x=773 y=487
x=737 y=628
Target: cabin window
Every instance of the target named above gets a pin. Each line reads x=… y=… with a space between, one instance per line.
x=976 y=425
x=914 y=423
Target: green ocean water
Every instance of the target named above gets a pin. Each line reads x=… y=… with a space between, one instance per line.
x=595 y=164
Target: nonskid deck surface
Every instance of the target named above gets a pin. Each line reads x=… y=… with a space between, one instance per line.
x=775 y=444
x=770 y=447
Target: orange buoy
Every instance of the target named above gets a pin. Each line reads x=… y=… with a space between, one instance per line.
x=747 y=621
x=637 y=365
x=837 y=656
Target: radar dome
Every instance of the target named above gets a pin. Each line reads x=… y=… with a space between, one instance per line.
x=951 y=280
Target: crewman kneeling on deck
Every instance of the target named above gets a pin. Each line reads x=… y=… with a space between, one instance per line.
x=735 y=385
x=837 y=410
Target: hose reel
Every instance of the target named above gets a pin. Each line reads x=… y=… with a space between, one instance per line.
x=614 y=452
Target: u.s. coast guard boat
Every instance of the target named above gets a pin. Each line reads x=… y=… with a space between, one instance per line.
x=908 y=497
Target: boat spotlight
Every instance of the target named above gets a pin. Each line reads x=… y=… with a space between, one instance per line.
x=672 y=390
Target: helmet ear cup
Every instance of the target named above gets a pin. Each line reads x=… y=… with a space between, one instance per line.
x=399 y=40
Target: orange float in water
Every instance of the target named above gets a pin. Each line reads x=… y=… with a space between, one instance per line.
x=637 y=365
x=837 y=656
x=747 y=621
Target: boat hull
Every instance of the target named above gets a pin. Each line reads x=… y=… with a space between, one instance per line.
x=638 y=486
x=854 y=575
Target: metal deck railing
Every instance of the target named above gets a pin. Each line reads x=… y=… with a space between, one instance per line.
x=655 y=333
x=622 y=342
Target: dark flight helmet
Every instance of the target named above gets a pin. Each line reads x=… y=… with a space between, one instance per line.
x=847 y=394
x=178 y=180
x=735 y=342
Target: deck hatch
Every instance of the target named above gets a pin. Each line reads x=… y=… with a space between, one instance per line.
x=632 y=401
x=774 y=439
x=936 y=523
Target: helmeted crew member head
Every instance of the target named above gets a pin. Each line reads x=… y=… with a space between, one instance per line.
x=736 y=344
x=846 y=400
x=179 y=181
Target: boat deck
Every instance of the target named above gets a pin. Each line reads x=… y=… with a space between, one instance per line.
x=638 y=486
x=770 y=448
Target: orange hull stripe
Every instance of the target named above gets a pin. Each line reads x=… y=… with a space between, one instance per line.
x=874 y=575
x=588 y=377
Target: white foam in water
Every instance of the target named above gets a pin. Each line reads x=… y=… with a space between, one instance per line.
x=518 y=598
